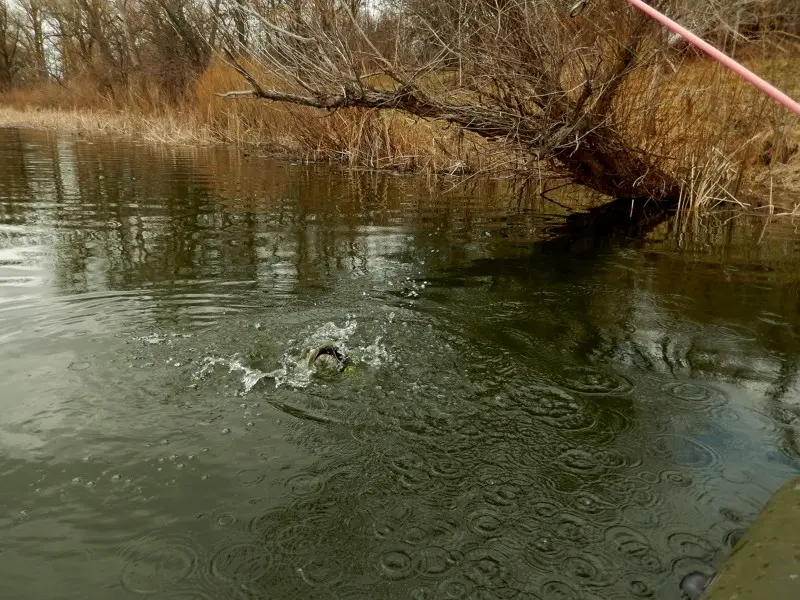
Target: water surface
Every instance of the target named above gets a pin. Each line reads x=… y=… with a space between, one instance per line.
x=521 y=422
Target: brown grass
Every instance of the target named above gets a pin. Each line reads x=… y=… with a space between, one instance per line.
x=698 y=116
x=358 y=138
x=168 y=128
x=727 y=143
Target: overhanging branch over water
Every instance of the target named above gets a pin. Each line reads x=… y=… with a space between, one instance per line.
x=591 y=152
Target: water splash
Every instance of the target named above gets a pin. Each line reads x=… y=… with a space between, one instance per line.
x=330 y=332
x=376 y=354
x=156 y=339
x=153 y=339
x=250 y=376
x=294 y=370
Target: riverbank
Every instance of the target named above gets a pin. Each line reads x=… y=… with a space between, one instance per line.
x=385 y=140
x=766 y=173
x=357 y=139
x=766 y=561
x=166 y=128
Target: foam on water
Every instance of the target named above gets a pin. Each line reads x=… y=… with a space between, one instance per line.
x=250 y=376
x=294 y=370
x=376 y=353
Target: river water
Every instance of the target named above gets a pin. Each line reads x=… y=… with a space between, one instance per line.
x=521 y=420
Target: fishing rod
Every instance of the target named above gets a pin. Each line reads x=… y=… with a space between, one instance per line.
x=713 y=52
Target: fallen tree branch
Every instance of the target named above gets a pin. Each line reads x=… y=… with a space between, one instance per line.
x=244 y=73
x=238 y=94
x=598 y=160
x=538 y=83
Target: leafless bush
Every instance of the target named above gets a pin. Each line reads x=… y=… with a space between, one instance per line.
x=10 y=46
x=592 y=96
x=607 y=98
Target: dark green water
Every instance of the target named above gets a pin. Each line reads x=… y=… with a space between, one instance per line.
x=522 y=422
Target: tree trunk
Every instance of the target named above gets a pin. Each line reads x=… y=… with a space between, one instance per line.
x=240 y=19
x=8 y=49
x=212 y=36
x=35 y=15
x=132 y=48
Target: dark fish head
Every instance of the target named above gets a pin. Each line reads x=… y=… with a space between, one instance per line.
x=334 y=351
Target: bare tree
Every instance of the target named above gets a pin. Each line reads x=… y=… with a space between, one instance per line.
x=161 y=42
x=528 y=76
x=580 y=93
x=9 y=46
x=176 y=35
x=589 y=96
x=212 y=36
x=34 y=32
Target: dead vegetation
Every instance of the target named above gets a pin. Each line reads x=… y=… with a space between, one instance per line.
x=597 y=97
x=356 y=137
x=606 y=98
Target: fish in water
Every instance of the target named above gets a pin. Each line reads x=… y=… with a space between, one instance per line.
x=343 y=362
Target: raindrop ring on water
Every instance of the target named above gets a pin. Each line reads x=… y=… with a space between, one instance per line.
x=591 y=381
x=248 y=477
x=240 y=562
x=154 y=563
x=683 y=452
x=304 y=484
x=695 y=396
x=485 y=522
x=395 y=564
x=321 y=573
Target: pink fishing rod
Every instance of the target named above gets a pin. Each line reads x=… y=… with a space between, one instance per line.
x=726 y=60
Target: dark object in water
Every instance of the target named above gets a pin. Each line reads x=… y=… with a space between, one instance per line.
x=342 y=360
x=694 y=584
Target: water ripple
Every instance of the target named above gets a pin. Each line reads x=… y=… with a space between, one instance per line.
x=683 y=452
x=238 y=562
x=154 y=563
x=594 y=381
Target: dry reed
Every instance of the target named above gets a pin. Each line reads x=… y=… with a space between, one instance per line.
x=355 y=137
x=691 y=113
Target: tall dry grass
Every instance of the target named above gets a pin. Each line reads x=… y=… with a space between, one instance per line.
x=727 y=142
x=171 y=127
x=356 y=137
x=81 y=107
x=691 y=112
